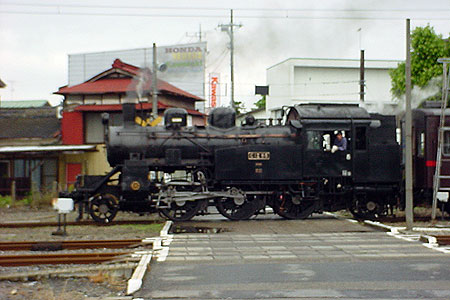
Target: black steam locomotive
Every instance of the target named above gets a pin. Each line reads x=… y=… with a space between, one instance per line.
x=293 y=168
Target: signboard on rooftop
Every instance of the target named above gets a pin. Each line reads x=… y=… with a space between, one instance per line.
x=182 y=65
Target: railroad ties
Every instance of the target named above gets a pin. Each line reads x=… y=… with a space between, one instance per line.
x=65 y=258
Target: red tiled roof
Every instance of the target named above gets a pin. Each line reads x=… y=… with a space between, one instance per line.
x=118 y=64
x=101 y=85
x=118 y=107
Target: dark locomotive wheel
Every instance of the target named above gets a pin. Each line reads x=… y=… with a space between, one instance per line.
x=293 y=208
x=228 y=208
x=184 y=212
x=103 y=207
x=365 y=209
x=362 y=214
x=447 y=207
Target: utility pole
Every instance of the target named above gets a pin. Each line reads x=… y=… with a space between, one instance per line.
x=154 y=85
x=361 y=77
x=232 y=61
x=196 y=34
x=408 y=135
x=229 y=28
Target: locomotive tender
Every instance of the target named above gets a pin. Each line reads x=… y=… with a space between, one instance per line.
x=181 y=171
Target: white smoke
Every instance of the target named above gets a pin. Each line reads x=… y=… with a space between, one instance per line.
x=418 y=96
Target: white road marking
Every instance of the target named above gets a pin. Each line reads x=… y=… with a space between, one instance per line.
x=160 y=249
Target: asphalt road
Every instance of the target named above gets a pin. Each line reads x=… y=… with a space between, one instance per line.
x=318 y=258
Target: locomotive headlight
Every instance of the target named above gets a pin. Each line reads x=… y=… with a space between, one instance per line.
x=135 y=185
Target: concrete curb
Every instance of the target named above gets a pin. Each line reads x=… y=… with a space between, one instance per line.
x=427 y=240
x=135 y=282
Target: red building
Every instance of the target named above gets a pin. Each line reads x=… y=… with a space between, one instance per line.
x=84 y=104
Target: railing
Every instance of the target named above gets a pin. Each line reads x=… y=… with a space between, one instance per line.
x=23 y=185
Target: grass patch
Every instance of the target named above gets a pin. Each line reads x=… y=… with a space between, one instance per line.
x=156 y=227
x=5 y=201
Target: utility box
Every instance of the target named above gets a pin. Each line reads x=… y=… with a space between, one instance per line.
x=63 y=205
x=442 y=196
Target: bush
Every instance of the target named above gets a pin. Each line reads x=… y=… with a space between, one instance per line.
x=5 y=201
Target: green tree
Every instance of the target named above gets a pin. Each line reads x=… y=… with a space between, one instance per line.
x=426 y=48
x=261 y=103
x=239 y=107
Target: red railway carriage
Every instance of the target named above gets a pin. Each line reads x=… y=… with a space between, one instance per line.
x=425 y=137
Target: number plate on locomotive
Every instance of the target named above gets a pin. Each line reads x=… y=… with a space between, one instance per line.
x=258 y=155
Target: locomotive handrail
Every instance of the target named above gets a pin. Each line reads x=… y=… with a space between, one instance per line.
x=198 y=144
x=245 y=136
x=153 y=135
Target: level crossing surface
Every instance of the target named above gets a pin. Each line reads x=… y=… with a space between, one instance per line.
x=318 y=258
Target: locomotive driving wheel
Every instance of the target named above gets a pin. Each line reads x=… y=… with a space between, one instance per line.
x=292 y=207
x=238 y=207
x=103 y=207
x=183 y=211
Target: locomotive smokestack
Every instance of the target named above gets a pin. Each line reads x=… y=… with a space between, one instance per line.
x=129 y=114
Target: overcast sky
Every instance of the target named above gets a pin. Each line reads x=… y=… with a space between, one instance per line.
x=37 y=36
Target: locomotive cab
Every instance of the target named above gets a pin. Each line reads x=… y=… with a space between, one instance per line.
x=323 y=153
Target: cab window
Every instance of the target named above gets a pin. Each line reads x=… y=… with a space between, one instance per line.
x=314 y=140
x=323 y=140
x=360 y=138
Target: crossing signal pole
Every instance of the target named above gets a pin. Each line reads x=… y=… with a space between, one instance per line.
x=408 y=135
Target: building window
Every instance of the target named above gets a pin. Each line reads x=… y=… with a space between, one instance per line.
x=447 y=142
x=4 y=169
x=94 y=131
x=41 y=171
x=421 y=145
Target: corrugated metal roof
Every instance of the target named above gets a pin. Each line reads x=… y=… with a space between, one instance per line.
x=57 y=148
x=23 y=104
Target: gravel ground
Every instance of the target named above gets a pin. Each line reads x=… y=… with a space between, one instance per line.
x=82 y=285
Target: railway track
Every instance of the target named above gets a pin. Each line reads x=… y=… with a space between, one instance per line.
x=68 y=245
x=57 y=258
x=394 y=219
x=77 y=223
x=443 y=239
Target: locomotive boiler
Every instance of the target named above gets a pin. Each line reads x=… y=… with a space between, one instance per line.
x=183 y=171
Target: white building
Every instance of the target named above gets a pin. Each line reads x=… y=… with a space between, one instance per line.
x=305 y=80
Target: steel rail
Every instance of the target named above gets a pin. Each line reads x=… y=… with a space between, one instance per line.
x=56 y=259
x=68 y=245
x=78 y=223
x=443 y=239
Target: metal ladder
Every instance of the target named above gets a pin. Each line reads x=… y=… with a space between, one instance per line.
x=440 y=146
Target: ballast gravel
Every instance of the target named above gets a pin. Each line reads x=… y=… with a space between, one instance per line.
x=93 y=283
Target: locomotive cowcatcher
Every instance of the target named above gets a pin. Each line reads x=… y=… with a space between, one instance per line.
x=182 y=171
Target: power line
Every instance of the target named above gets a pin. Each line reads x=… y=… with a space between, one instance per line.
x=58 y=5
x=161 y=15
